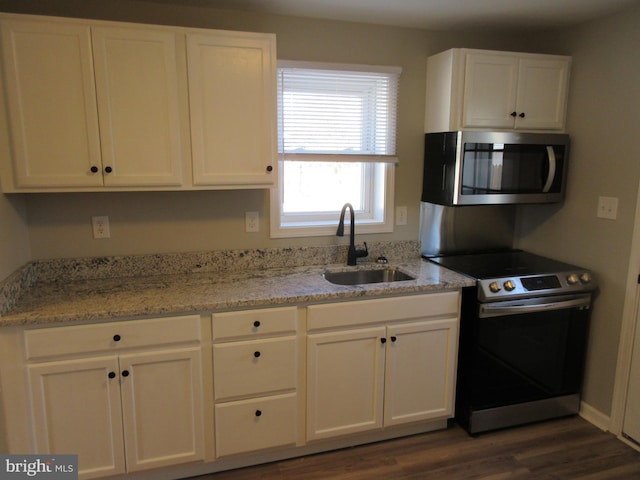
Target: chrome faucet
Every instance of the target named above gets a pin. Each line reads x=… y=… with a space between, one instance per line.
x=353 y=252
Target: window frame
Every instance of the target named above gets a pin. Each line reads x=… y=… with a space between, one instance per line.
x=380 y=176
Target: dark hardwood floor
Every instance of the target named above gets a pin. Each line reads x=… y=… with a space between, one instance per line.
x=569 y=448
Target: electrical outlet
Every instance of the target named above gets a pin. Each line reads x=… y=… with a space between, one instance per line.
x=401 y=215
x=607 y=207
x=100 y=227
x=251 y=222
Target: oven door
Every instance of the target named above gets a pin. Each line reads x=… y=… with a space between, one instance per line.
x=527 y=350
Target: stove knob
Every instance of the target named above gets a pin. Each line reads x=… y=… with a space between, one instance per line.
x=585 y=277
x=509 y=285
x=494 y=287
x=572 y=279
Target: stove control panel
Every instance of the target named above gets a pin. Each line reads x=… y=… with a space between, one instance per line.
x=531 y=285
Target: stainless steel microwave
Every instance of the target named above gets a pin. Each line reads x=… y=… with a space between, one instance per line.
x=489 y=168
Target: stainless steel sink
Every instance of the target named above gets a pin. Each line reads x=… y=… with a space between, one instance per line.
x=358 y=277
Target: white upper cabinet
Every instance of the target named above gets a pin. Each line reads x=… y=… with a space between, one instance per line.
x=496 y=90
x=51 y=103
x=137 y=89
x=232 y=100
x=99 y=106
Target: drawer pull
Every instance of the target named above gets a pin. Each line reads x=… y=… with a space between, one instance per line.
x=256 y=324
x=125 y=373
x=256 y=354
x=258 y=413
x=112 y=374
x=116 y=338
x=383 y=340
x=394 y=338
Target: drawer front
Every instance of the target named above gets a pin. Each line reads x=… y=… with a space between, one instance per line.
x=114 y=336
x=255 y=424
x=254 y=367
x=254 y=323
x=335 y=315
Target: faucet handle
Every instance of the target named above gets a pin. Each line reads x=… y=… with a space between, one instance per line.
x=362 y=253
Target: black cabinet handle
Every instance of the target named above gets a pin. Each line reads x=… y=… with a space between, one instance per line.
x=112 y=374
x=94 y=169
x=258 y=413
x=513 y=114
x=393 y=338
x=256 y=354
x=383 y=340
x=125 y=373
x=521 y=115
x=116 y=338
x=108 y=169
x=256 y=324
x=269 y=168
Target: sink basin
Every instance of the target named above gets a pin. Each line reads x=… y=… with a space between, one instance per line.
x=358 y=277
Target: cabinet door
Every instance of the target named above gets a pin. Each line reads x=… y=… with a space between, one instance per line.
x=162 y=407
x=76 y=409
x=490 y=89
x=420 y=371
x=345 y=382
x=52 y=104
x=542 y=94
x=137 y=88
x=232 y=98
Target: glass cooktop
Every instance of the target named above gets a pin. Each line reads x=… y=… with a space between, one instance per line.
x=513 y=263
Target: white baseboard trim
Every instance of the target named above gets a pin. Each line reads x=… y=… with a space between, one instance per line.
x=594 y=416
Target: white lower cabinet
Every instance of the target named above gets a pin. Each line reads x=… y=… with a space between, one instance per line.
x=129 y=396
x=374 y=376
x=255 y=371
x=121 y=409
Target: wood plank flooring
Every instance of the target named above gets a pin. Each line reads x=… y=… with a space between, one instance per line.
x=569 y=448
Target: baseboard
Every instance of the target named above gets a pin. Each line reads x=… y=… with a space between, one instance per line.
x=595 y=417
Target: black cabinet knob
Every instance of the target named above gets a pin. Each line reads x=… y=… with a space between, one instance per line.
x=513 y=114
x=256 y=354
x=108 y=169
x=125 y=373
x=116 y=338
x=269 y=168
x=112 y=374
x=393 y=338
x=256 y=324
x=383 y=340
x=258 y=413
x=94 y=169
x=521 y=115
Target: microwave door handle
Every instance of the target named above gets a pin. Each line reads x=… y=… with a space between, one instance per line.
x=552 y=169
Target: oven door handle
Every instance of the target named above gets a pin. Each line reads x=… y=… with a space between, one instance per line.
x=496 y=309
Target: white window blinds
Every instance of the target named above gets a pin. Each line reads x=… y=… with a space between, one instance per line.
x=332 y=112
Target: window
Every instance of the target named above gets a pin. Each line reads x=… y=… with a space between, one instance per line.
x=336 y=144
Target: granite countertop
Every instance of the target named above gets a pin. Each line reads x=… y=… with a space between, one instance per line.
x=124 y=297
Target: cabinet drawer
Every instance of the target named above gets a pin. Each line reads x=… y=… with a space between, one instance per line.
x=333 y=315
x=254 y=367
x=115 y=336
x=255 y=424
x=253 y=323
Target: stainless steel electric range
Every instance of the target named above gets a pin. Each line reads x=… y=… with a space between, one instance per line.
x=523 y=337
